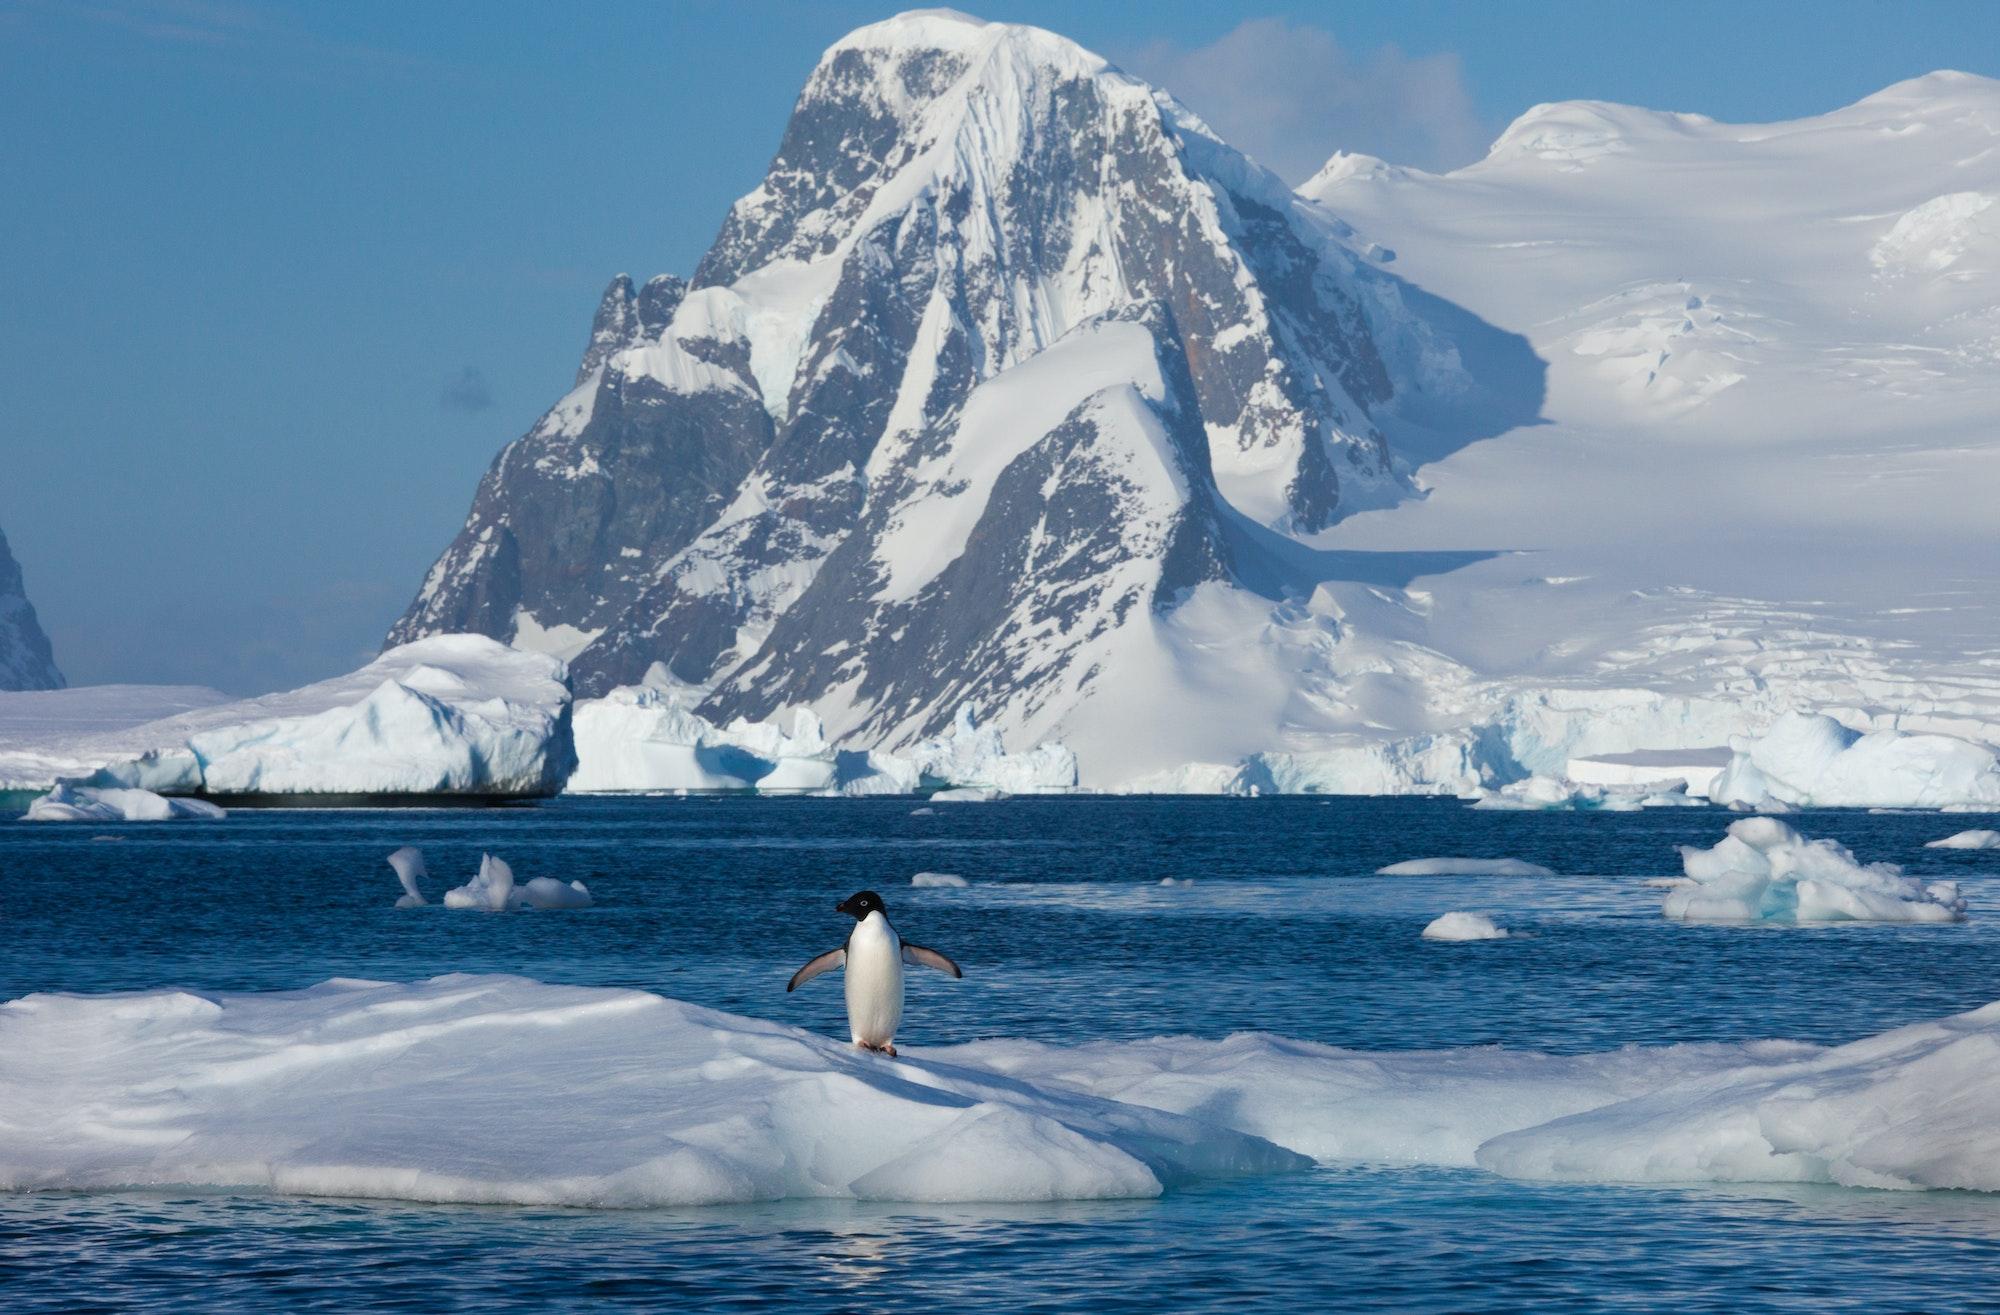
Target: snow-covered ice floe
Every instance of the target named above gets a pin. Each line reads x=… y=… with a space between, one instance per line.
x=647 y=1101
x=643 y=738
x=1764 y=871
x=451 y=714
x=1815 y=761
x=1461 y=926
x=1967 y=840
x=79 y=803
x=1464 y=867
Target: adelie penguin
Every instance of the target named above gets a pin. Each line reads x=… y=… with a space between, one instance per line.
x=874 y=957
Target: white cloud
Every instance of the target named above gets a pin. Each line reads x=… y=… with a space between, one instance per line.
x=1292 y=95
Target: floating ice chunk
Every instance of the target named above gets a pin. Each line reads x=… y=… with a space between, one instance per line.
x=492 y=889
x=81 y=803
x=923 y=812
x=939 y=880
x=548 y=893
x=1763 y=871
x=1464 y=867
x=1176 y=881
x=1457 y=926
x=1967 y=840
x=970 y=794
x=409 y=865
x=445 y=1090
x=1814 y=761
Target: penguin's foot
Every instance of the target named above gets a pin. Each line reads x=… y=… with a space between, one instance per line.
x=884 y=1049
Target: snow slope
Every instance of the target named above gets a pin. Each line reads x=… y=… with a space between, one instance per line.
x=1772 y=410
x=501 y=1089
x=453 y=714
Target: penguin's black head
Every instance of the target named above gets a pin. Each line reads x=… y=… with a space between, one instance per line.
x=860 y=906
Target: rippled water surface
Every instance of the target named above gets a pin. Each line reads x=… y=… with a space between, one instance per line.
x=1066 y=933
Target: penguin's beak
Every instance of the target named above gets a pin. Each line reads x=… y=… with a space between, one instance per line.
x=842 y=907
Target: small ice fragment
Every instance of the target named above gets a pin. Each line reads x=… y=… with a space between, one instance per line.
x=409 y=865
x=1464 y=867
x=939 y=879
x=1968 y=840
x=1458 y=926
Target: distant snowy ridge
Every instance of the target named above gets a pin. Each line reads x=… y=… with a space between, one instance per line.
x=26 y=660
x=666 y=1103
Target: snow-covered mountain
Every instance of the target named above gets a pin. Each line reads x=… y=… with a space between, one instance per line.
x=1005 y=361
x=26 y=660
x=1012 y=386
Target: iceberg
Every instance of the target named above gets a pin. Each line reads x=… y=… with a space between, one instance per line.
x=452 y=715
x=1459 y=926
x=1464 y=867
x=1764 y=871
x=79 y=803
x=1813 y=761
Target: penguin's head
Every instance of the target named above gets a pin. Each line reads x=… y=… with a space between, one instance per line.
x=860 y=906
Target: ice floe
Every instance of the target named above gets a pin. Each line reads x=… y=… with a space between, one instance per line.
x=1464 y=867
x=1764 y=871
x=1967 y=840
x=939 y=880
x=1461 y=926
x=1539 y=793
x=666 y=1103
x=82 y=803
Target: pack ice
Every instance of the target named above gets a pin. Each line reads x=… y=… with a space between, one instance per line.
x=501 y=1089
x=451 y=714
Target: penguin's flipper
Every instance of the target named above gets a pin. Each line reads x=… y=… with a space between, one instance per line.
x=923 y=956
x=831 y=959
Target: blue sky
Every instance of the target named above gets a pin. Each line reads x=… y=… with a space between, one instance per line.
x=277 y=281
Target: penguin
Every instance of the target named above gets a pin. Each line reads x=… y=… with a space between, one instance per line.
x=874 y=957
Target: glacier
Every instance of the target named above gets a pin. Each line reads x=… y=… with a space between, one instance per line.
x=667 y=1103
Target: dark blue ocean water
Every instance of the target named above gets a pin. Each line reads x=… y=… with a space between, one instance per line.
x=1066 y=934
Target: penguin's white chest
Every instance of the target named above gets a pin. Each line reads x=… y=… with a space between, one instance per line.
x=874 y=981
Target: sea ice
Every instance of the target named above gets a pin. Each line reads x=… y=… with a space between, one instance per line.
x=639 y=1101
x=1464 y=867
x=666 y=1103
x=1764 y=871
x=1457 y=926
x=1967 y=840
x=82 y=803
x=938 y=879
x=970 y=794
x=1539 y=793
